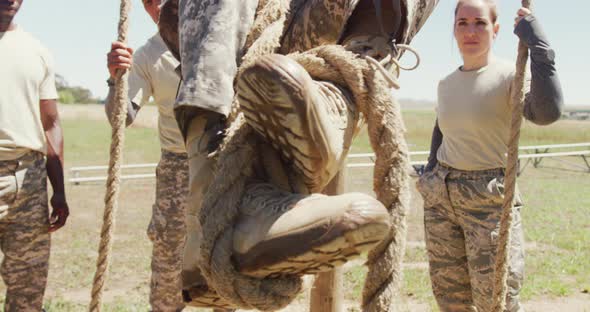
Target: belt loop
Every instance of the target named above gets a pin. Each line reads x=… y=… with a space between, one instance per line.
x=444 y=171
x=18 y=164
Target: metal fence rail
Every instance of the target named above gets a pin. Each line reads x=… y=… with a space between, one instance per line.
x=533 y=154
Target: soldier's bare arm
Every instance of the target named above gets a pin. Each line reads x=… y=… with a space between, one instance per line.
x=54 y=136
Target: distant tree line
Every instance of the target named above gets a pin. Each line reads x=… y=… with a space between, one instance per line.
x=73 y=94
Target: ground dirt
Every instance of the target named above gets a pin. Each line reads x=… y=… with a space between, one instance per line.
x=74 y=247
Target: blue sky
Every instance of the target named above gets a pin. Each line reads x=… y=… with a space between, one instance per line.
x=79 y=32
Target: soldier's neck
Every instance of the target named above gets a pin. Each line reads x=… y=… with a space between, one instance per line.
x=7 y=26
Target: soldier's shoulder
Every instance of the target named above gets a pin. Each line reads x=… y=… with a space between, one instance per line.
x=30 y=40
x=504 y=68
x=151 y=51
x=34 y=45
x=504 y=65
x=449 y=77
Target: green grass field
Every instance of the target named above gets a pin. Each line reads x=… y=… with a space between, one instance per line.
x=556 y=220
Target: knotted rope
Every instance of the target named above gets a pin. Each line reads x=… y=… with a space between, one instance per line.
x=390 y=177
x=240 y=149
x=234 y=168
x=502 y=257
x=114 y=173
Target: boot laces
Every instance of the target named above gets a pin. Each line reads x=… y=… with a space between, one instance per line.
x=382 y=53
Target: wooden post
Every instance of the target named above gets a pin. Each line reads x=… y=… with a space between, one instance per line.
x=327 y=293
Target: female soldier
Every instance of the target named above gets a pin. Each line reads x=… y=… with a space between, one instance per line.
x=463 y=182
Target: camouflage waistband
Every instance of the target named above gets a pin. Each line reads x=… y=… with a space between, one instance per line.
x=173 y=155
x=24 y=161
x=453 y=173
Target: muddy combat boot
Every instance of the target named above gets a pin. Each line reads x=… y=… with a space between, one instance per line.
x=311 y=123
x=279 y=233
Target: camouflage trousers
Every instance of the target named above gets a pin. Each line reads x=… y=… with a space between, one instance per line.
x=212 y=36
x=201 y=174
x=167 y=232
x=461 y=223
x=24 y=236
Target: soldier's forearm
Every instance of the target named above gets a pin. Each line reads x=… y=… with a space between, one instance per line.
x=109 y=108
x=55 y=144
x=55 y=156
x=544 y=101
x=435 y=143
x=55 y=171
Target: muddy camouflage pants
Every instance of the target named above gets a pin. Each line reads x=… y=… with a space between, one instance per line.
x=167 y=232
x=24 y=236
x=461 y=223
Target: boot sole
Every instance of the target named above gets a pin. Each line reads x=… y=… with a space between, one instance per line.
x=206 y=299
x=342 y=248
x=337 y=252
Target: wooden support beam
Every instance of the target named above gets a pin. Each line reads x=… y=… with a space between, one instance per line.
x=327 y=293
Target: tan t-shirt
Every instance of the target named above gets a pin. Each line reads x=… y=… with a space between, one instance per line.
x=26 y=76
x=153 y=75
x=474 y=116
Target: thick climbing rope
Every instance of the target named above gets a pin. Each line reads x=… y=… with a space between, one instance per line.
x=235 y=166
x=502 y=255
x=390 y=177
x=220 y=208
x=114 y=172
